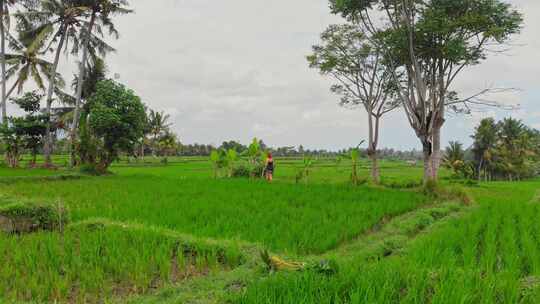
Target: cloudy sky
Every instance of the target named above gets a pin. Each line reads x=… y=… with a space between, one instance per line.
x=236 y=69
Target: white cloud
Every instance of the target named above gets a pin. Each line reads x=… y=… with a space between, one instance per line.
x=237 y=69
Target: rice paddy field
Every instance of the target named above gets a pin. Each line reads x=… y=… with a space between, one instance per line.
x=171 y=233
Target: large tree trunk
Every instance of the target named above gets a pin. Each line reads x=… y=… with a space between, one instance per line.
x=372 y=148
x=47 y=149
x=375 y=171
x=80 y=87
x=3 y=61
x=436 y=153
x=427 y=162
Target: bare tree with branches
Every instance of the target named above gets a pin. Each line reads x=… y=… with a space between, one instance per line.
x=431 y=43
x=363 y=79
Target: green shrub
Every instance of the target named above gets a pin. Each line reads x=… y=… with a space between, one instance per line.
x=241 y=171
x=437 y=192
x=89 y=169
x=257 y=170
x=92 y=169
x=247 y=171
x=29 y=217
x=405 y=184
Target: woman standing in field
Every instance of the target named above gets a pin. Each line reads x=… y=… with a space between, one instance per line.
x=269 y=167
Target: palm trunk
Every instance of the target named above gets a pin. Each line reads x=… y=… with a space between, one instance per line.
x=480 y=168
x=80 y=87
x=47 y=149
x=3 y=61
x=12 y=89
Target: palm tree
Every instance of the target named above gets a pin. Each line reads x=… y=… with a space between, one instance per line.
x=60 y=20
x=4 y=13
x=4 y=33
x=510 y=129
x=95 y=71
x=454 y=156
x=101 y=10
x=27 y=62
x=485 y=141
x=158 y=123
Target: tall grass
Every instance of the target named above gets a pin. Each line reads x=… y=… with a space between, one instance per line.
x=281 y=216
x=490 y=256
x=97 y=261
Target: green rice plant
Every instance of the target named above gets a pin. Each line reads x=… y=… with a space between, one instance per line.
x=355 y=155
x=98 y=260
x=281 y=216
x=487 y=252
x=486 y=256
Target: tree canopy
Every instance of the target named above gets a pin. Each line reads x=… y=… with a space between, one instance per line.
x=115 y=120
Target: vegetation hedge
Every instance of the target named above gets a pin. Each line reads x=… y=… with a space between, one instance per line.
x=23 y=217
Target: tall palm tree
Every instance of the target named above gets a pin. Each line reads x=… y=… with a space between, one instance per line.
x=100 y=12
x=4 y=13
x=58 y=20
x=159 y=124
x=5 y=6
x=4 y=28
x=61 y=21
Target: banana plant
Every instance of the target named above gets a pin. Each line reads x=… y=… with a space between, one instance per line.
x=254 y=150
x=254 y=155
x=232 y=157
x=215 y=158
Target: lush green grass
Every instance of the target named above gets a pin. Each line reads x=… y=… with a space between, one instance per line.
x=487 y=253
x=21 y=172
x=113 y=260
x=488 y=256
x=281 y=216
x=98 y=260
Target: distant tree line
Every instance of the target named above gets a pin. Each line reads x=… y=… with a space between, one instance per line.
x=285 y=151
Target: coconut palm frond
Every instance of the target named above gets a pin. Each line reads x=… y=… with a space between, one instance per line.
x=12 y=69
x=36 y=76
x=100 y=47
x=40 y=39
x=64 y=98
x=22 y=78
x=28 y=36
